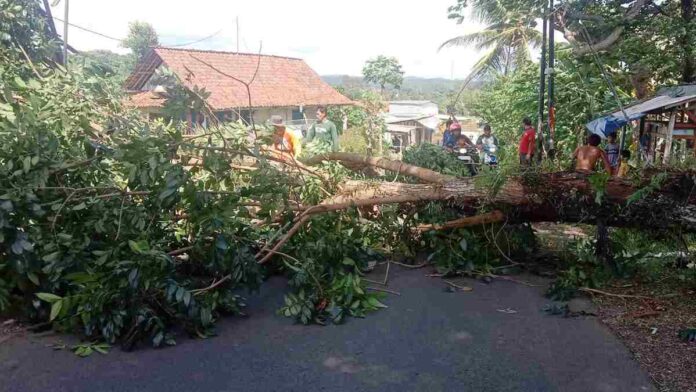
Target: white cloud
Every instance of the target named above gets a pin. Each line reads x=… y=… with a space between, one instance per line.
x=334 y=37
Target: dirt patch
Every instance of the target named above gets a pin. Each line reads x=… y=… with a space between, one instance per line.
x=650 y=328
x=9 y=328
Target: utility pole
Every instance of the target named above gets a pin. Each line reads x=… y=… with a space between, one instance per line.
x=551 y=71
x=542 y=87
x=65 y=33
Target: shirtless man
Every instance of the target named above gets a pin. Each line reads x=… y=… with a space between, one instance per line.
x=586 y=156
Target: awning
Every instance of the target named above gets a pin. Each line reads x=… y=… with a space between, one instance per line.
x=605 y=125
x=401 y=129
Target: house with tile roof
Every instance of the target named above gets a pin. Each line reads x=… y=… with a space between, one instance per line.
x=282 y=86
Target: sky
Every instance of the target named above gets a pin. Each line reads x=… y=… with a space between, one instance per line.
x=333 y=37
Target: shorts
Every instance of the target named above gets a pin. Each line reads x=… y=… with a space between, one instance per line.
x=524 y=161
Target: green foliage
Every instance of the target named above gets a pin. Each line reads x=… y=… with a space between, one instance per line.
x=581 y=96
x=141 y=37
x=106 y=230
x=635 y=254
x=598 y=182
x=384 y=71
x=655 y=184
x=365 y=122
x=328 y=279
x=85 y=350
x=434 y=157
x=510 y=31
x=105 y=64
x=22 y=27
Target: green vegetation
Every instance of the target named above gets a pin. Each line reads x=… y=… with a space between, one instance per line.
x=141 y=37
x=384 y=71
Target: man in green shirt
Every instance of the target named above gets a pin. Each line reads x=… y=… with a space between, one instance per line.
x=323 y=130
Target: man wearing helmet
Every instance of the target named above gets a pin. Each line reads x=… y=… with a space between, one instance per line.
x=450 y=137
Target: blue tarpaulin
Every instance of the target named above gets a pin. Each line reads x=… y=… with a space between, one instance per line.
x=665 y=99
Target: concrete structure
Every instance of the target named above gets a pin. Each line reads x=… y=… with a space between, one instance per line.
x=411 y=122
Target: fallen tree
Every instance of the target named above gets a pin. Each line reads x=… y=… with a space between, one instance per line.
x=664 y=201
x=122 y=228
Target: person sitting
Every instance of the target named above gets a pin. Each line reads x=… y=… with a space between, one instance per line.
x=488 y=145
x=284 y=140
x=586 y=156
x=453 y=137
x=623 y=164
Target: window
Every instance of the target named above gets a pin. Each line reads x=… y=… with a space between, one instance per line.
x=297 y=114
x=245 y=115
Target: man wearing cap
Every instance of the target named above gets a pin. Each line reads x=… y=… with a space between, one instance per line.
x=284 y=140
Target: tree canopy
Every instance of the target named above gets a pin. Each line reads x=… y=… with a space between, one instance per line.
x=384 y=71
x=141 y=37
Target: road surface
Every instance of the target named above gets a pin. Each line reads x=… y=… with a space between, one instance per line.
x=495 y=338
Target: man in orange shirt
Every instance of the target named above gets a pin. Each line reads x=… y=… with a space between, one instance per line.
x=284 y=140
x=527 y=143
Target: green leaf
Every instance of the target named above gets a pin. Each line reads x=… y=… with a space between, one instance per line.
x=79 y=207
x=463 y=244
x=55 y=310
x=20 y=83
x=33 y=278
x=26 y=164
x=48 y=297
x=348 y=261
x=139 y=247
x=375 y=302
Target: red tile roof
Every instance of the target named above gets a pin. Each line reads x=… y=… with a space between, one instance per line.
x=145 y=100
x=279 y=82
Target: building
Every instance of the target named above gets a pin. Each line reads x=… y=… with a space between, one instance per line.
x=665 y=124
x=411 y=122
x=282 y=86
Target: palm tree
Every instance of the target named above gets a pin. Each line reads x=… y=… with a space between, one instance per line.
x=507 y=38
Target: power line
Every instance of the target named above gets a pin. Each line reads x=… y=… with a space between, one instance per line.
x=122 y=40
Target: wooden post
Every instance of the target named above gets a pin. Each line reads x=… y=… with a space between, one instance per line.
x=65 y=33
x=668 y=141
x=641 y=131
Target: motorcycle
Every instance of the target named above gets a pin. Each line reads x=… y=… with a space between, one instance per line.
x=489 y=155
x=468 y=156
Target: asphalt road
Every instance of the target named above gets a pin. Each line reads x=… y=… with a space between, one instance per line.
x=428 y=340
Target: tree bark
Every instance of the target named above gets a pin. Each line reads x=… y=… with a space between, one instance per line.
x=420 y=173
x=554 y=197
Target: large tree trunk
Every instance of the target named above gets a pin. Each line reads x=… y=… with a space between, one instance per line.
x=555 y=197
x=531 y=197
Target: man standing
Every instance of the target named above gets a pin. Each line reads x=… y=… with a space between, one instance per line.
x=527 y=143
x=284 y=140
x=488 y=144
x=324 y=130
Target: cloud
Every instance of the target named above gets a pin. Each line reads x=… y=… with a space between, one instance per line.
x=334 y=37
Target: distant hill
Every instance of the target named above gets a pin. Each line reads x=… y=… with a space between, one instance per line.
x=411 y=83
x=439 y=90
